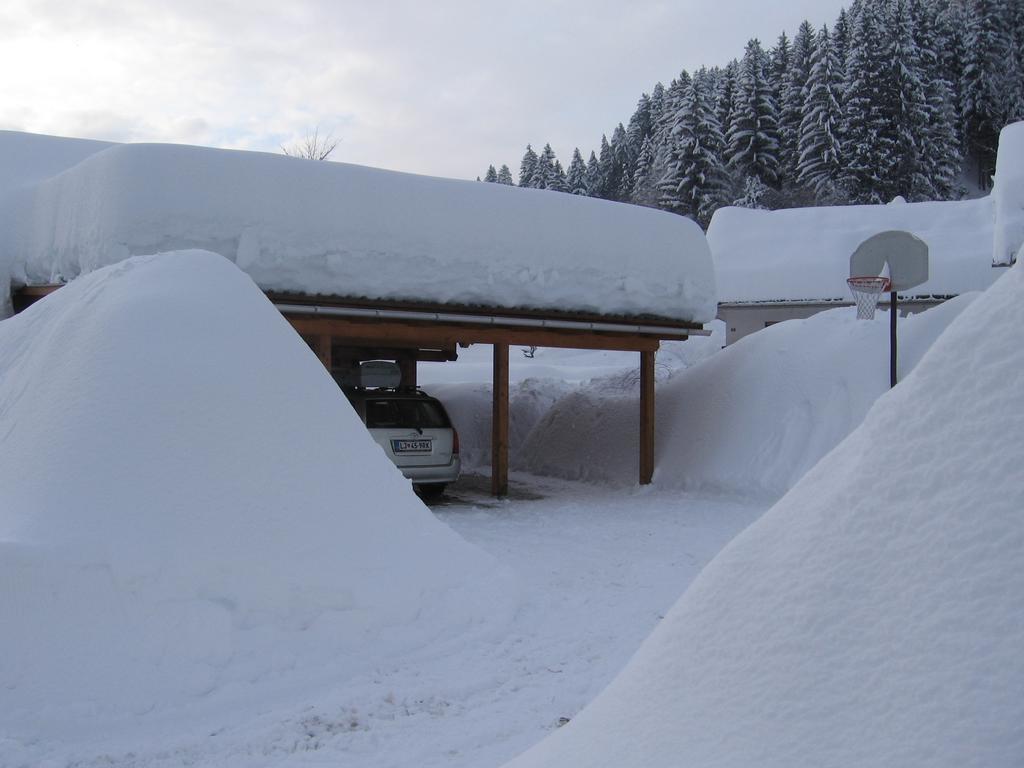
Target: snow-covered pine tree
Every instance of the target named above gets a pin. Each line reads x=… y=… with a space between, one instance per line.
x=819 y=167
x=593 y=175
x=753 y=139
x=791 y=113
x=665 y=137
x=645 y=190
x=557 y=181
x=940 y=145
x=621 y=183
x=780 y=60
x=841 y=42
x=656 y=107
x=906 y=109
x=986 y=79
x=527 y=167
x=639 y=128
x=491 y=175
x=505 y=176
x=868 y=143
x=576 y=178
x=544 y=174
x=696 y=181
x=606 y=176
x=725 y=96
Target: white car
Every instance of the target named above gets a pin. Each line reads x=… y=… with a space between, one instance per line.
x=415 y=432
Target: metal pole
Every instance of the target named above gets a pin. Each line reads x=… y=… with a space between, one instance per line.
x=893 y=311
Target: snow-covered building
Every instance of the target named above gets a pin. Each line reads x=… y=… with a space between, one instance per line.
x=781 y=265
x=366 y=263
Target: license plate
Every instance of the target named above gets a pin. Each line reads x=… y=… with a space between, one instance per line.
x=412 y=446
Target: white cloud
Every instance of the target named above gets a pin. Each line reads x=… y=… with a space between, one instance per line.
x=443 y=87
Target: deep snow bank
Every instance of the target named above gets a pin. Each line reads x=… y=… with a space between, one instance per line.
x=751 y=419
x=1008 y=194
x=192 y=512
x=334 y=228
x=875 y=615
x=803 y=254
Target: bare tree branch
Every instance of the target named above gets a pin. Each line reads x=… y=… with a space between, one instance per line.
x=313 y=147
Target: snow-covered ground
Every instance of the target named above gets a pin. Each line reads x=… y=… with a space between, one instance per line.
x=595 y=570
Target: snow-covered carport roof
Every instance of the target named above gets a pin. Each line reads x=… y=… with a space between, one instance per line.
x=333 y=229
x=364 y=258
x=802 y=255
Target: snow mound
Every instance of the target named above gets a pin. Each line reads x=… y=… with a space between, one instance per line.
x=803 y=254
x=1008 y=194
x=334 y=228
x=751 y=419
x=875 y=615
x=192 y=512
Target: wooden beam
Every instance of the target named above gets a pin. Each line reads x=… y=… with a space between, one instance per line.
x=646 y=417
x=499 y=423
x=363 y=333
x=323 y=349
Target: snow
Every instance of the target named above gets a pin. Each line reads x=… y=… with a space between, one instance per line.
x=875 y=615
x=750 y=419
x=334 y=228
x=803 y=254
x=194 y=519
x=1008 y=194
x=29 y=158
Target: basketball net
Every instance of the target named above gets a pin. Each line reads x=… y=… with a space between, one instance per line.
x=866 y=291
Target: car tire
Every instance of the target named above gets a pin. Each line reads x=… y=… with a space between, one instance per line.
x=431 y=490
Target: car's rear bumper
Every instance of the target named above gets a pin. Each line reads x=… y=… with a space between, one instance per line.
x=445 y=473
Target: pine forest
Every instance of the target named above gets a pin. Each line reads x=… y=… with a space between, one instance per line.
x=895 y=98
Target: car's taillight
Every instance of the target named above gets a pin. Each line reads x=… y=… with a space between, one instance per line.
x=455 y=441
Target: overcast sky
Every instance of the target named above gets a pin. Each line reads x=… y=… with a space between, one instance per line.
x=438 y=87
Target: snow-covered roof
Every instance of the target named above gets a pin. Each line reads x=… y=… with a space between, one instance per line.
x=346 y=230
x=803 y=254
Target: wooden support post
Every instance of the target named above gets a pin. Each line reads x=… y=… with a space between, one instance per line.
x=499 y=423
x=323 y=350
x=646 y=417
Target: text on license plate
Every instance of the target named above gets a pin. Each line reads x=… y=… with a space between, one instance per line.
x=411 y=446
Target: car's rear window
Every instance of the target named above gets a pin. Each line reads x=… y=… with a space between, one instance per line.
x=422 y=414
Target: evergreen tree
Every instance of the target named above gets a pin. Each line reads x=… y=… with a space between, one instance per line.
x=868 y=143
x=753 y=140
x=606 y=176
x=576 y=179
x=557 y=181
x=544 y=174
x=725 y=96
x=644 y=188
x=527 y=167
x=819 y=166
x=794 y=98
x=593 y=175
x=940 y=142
x=841 y=42
x=906 y=108
x=639 y=128
x=986 y=79
x=695 y=182
x=505 y=176
x=621 y=181
x=491 y=175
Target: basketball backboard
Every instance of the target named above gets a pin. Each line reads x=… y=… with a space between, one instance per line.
x=906 y=255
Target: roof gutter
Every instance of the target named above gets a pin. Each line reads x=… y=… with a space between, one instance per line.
x=491 y=320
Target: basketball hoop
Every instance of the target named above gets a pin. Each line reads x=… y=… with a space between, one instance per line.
x=866 y=291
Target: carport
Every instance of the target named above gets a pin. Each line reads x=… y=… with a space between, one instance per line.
x=345 y=332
